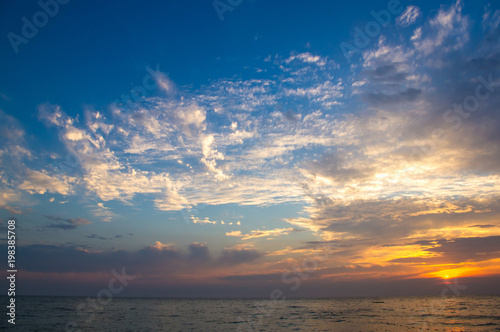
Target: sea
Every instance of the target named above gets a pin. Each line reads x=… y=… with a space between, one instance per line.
x=461 y=313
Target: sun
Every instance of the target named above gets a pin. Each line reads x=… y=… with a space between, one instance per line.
x=444 y=273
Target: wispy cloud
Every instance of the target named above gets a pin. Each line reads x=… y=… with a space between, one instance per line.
x=66 y=223
x=268 y=233
x=409 y=16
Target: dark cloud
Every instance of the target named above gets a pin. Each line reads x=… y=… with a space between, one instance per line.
x=62 y=226
x=408 y=95
x=66 y=223
x=199 y=252
x=459 y=250
x=394 y=219
x=235 y=257
x=469 y=249
x=98 y=237
x=62 y=259
x=384 y=223
x=153 y=259
x=484 y=64
x=335 y=166
x=386 y=73
x=253 y=277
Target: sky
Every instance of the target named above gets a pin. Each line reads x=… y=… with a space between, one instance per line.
x=231 y=148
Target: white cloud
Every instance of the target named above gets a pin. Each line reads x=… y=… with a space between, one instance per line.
x=409 y=16
x=101 y=211
x=205 y=220
x=491 y=21
x=261 y=233
x=308 y=58
x=234 y=233
x=447 y=31
x=417 y=34
x=210 y=157
x=272 y=140
x=40 y=182
x=165 y=83
x=8 y=196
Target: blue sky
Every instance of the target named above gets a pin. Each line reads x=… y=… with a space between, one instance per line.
x=175 y=134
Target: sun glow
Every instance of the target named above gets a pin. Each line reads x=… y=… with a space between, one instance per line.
x=459 y=272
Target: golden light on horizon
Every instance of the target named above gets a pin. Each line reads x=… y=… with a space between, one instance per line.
x=453 y=273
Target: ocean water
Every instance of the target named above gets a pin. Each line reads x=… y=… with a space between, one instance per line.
x=464 y=313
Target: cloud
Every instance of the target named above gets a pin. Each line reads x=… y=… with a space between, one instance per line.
x=164 y=82
x=11 y=209
x=483 y=226
x=326 y=94
x=12 y=138
x=63 y=259
x=8 y=196
x=206 y=220
x=446 y=32
x=409 y=16
x=488 y=63
x=340 y=146
x=235 y=257
x=168 y=246
x=258 y=233
x=468 y=249
x=52 y=115
x=101 y=211
x=98 y=237
x=308 y=58
x=40 y=182
x=386 y=73
x=156 y=260
x=336 y=168
x=210 y=157
x=116 y=152
x=234 y=233
x=67 y=223
x=199 y=252
x=409 y=95
x=14 y=155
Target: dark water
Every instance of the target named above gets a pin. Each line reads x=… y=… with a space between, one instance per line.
x=474 y=313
